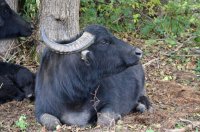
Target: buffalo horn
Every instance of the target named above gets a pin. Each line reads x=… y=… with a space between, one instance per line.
x=80 y=44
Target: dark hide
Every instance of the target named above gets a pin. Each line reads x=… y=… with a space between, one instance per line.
x=16 y=82
x=69 y=90
x=126 y=88
x=11 y=24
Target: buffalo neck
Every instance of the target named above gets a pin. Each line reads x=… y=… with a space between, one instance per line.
x=69 y=75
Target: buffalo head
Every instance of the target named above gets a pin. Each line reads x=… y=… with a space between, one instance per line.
x=11 y=24
x=99 y=49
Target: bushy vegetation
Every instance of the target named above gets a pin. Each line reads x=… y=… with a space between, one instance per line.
x=30 y=9
x=198 y=66
x=149 y=18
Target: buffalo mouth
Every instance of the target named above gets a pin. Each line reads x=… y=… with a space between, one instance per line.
x=132 y=64
x=134 y=57
x=79 y=44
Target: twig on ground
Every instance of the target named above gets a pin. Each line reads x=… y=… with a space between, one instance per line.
x=15 y=47
x=196 y=51
x=180 y=45
x=6 y=55
x=149 y=62
x=144 y=15
x=115 y=21
x=189 y=127
x=185 y=120
x=169 y=54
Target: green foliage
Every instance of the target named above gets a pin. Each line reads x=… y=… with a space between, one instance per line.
x=198 y=66
x=177 y=17
x=21 y=123
x=150 y=19
x=30 y=8
x=150 y=41
x=170 y=41
x=149 y=130
x=179 y=125
x=118 y=15
x=197 y=39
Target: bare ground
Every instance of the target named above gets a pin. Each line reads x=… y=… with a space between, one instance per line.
x=172 y=86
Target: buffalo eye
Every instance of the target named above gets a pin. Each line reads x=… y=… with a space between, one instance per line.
x=105 y=42
x=6 y=12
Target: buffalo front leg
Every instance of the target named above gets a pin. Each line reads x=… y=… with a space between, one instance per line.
x=49 y=121
x=107 y=118
x=143 y=104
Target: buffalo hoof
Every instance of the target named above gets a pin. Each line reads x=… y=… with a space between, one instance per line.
x=107 y=119
x=141 y=108
x=143 y=105
x=145 y=101
x=49 y=121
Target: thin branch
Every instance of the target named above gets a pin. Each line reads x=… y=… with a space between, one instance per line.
x=185 y=120
x=196 y=51
x=115 y=21
x=95 y=99
x=170 y=54
x=180 y=45
x=144 y=15
x=149 y=62
x=186 y=128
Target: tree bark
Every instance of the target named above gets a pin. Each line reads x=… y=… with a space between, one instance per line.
x=7 y=44
x=60 y=18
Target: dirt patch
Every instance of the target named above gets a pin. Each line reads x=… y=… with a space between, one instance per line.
x=11 y=112
x=170 y=100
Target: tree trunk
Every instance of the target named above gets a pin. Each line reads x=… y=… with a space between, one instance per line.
x=6 y=45
x=60 y=18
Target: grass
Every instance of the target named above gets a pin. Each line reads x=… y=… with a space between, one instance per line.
x=21 y=123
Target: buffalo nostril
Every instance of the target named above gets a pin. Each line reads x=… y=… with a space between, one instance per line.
x=138 y=52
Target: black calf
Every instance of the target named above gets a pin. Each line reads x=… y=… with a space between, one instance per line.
x=16 y=82
x=11 y=24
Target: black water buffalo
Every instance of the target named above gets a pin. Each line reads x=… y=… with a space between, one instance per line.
x=83 y=80
x=11 y=24
x=16 y=82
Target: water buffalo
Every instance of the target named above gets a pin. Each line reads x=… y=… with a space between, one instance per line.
x=80 y=82
x=11 y=24
x=16 y=82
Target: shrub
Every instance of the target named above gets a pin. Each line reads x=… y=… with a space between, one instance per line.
x=150 y=19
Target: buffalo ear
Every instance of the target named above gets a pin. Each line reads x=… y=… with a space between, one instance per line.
x=1 y=22
x=87 y=56
x=84 y=54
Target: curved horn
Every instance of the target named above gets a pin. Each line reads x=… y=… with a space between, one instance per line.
x=81 y=43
